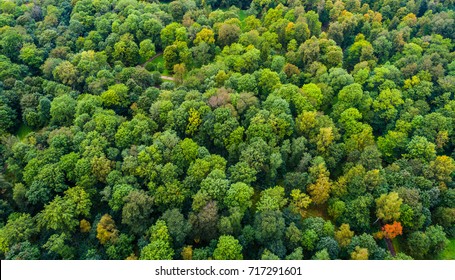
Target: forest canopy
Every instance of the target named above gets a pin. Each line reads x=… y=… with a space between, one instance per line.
x=202 y=129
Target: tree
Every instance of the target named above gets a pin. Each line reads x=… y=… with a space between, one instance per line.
x=388 y=206
x=106 y=230
x=329 y=244
x=344 y=235
x=420 y=147
x=314 y=95
x=7 y=118
x=438 y=239
x=116 y=95
x=366 y=241
x=177 y=225
x=126 y=50
x=357 y=213
x=179 y=73
x=269 y=226
x=320 y=189
x=268 y=81
x=312 y=19
x=228 y=34
x=11 y=42
x=62 y=110
x=442 y=167
x=56 y=245
x=146 y=50
x=359 y=254
x=137 y=209
x=300 y=201
x=205 y=35
x=66 y=73
x=228 y=248
x=23 y=251
x=386 y=104
x=157 y=250
x=392 y=230
x=205 y=222
x=321 y=255
x=31 y=55
x=176 y=53
x=239 y=195
x=293 y=236
x=16 y=230
x=418 y=244
x=272 y=199
x=62 y=212
x=121 y=249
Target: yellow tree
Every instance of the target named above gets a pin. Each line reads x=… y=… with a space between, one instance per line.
x=106 y=229
x=360 y=254
x=179 y=72
x=441 y=168
x=320 y=190
x=194 y=121
x=344 y=235
x=388 y=207
x=324 y=139
x=205 y=35
x=299 y=202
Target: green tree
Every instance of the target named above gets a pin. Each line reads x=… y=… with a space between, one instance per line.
x=62 y=110
x=126 y=50
x=137 y=209
x=228 y=248
x=31 y=55
x=239 y=195
x=272 y=199
x=146 y=50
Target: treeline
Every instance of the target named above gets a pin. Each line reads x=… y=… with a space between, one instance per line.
x=318 y=129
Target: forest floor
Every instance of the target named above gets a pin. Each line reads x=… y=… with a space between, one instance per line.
x=318 y=211
x=23 y=131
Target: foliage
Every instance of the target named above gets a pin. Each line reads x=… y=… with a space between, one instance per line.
x=226 y=129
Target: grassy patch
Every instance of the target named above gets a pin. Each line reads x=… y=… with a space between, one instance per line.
x=397 y=244
x=159 y=60
x=23 y=131
x=449 y=252
x=242 y=15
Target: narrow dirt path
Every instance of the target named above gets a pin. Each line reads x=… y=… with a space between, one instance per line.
x=390 y=246
x=152 y=58
x=167 y=78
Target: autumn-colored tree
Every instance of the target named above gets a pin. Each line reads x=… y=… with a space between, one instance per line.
x=106 y=230
x=320 y=190
x=388 y=206
x=299 y=202
x=392 y=230
x=360 y=254
x=344 y=235
x=179 y=72
x=187 y=252
x=85 y=226
x=205 y=35
x=194 y=120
